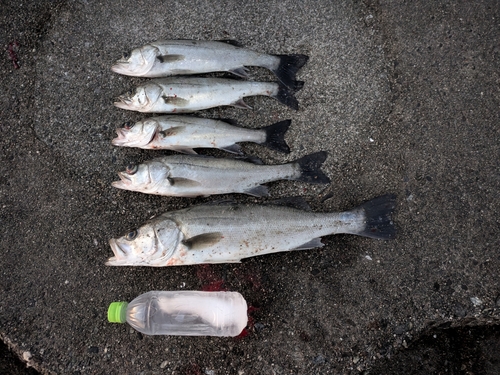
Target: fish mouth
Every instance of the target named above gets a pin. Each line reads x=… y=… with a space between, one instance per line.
x=124 y=102
x=124 y=183
x=117 y=250
x=121 y=139
x=121 y=67
x=120 y=256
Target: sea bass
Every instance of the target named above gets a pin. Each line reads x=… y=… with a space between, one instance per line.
x=183 y=57
x=189 y=94
x=195 y=175
x=227 y=233
x=183 y=133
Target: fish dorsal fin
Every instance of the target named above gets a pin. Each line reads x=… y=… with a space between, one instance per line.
x=315 y=242
x=175 y=100
x=230 y=121
x=294 y=202
x=232 y=42
x=202 y=241
x=222 y=202
x=170 y=58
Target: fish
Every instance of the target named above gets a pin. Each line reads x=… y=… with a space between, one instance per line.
x=183 y=57
x=196 y=175
x=190 y=94
x=183 y=133
x=229 y=232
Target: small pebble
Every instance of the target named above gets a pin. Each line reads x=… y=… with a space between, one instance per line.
x=476 y=301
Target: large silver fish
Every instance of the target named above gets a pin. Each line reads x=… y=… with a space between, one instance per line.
x=228 y=233
x=183 y=133
x=189 y=94
x=183 y=57
x=194 y=175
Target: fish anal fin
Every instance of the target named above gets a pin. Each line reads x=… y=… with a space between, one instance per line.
x=258 y=191
x=186 y=150
x=175 y=100
x=240 y=72
x=241 y=104
x=183 y=182
x=170 y=58
x=234 y=148
x=315 y=242
x=202 y=241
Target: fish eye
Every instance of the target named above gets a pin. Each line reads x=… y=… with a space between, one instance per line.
x=131 y=235
x=128 y=125
x=126 y=55
x=131 y=168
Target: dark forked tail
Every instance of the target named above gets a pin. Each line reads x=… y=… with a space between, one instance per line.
x=275 y=136
x=288 y=68
x=377 y=217
x=310 y=167
x=286 y=95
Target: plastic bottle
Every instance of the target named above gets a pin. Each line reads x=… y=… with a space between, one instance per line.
x=187 y=313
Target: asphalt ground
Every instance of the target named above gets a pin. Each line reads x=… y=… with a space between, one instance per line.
x=404 y=97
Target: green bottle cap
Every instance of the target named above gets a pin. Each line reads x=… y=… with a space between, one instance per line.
x=117 y=312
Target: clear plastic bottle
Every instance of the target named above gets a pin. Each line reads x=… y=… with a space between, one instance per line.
x=187 y=313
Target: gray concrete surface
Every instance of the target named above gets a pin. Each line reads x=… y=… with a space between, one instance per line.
x=403 y=95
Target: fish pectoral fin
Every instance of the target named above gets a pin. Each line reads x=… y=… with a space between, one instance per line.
x=175 y=100
x=170 y=58
x=240 y=72
x=181 y=182
x=258 y=191
x=174 y=130
x=241 y=104
x=202 y=241
x=315 y=242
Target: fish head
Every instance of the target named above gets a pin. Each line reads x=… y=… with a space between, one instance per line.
x=137 y=134
x=153 y=244
x=138 y=62
x=143 y=177
x=142 y=100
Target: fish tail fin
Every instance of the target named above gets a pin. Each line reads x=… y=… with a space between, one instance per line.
x=286 y=95
x=377 y=217
x=310 y=168
x=275 y=136
x=288 y=68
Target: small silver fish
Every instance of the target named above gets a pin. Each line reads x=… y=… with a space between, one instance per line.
x=183 y=133
x=182 y=57
x=227 y=233
x=194 y=175
x=189 y=94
